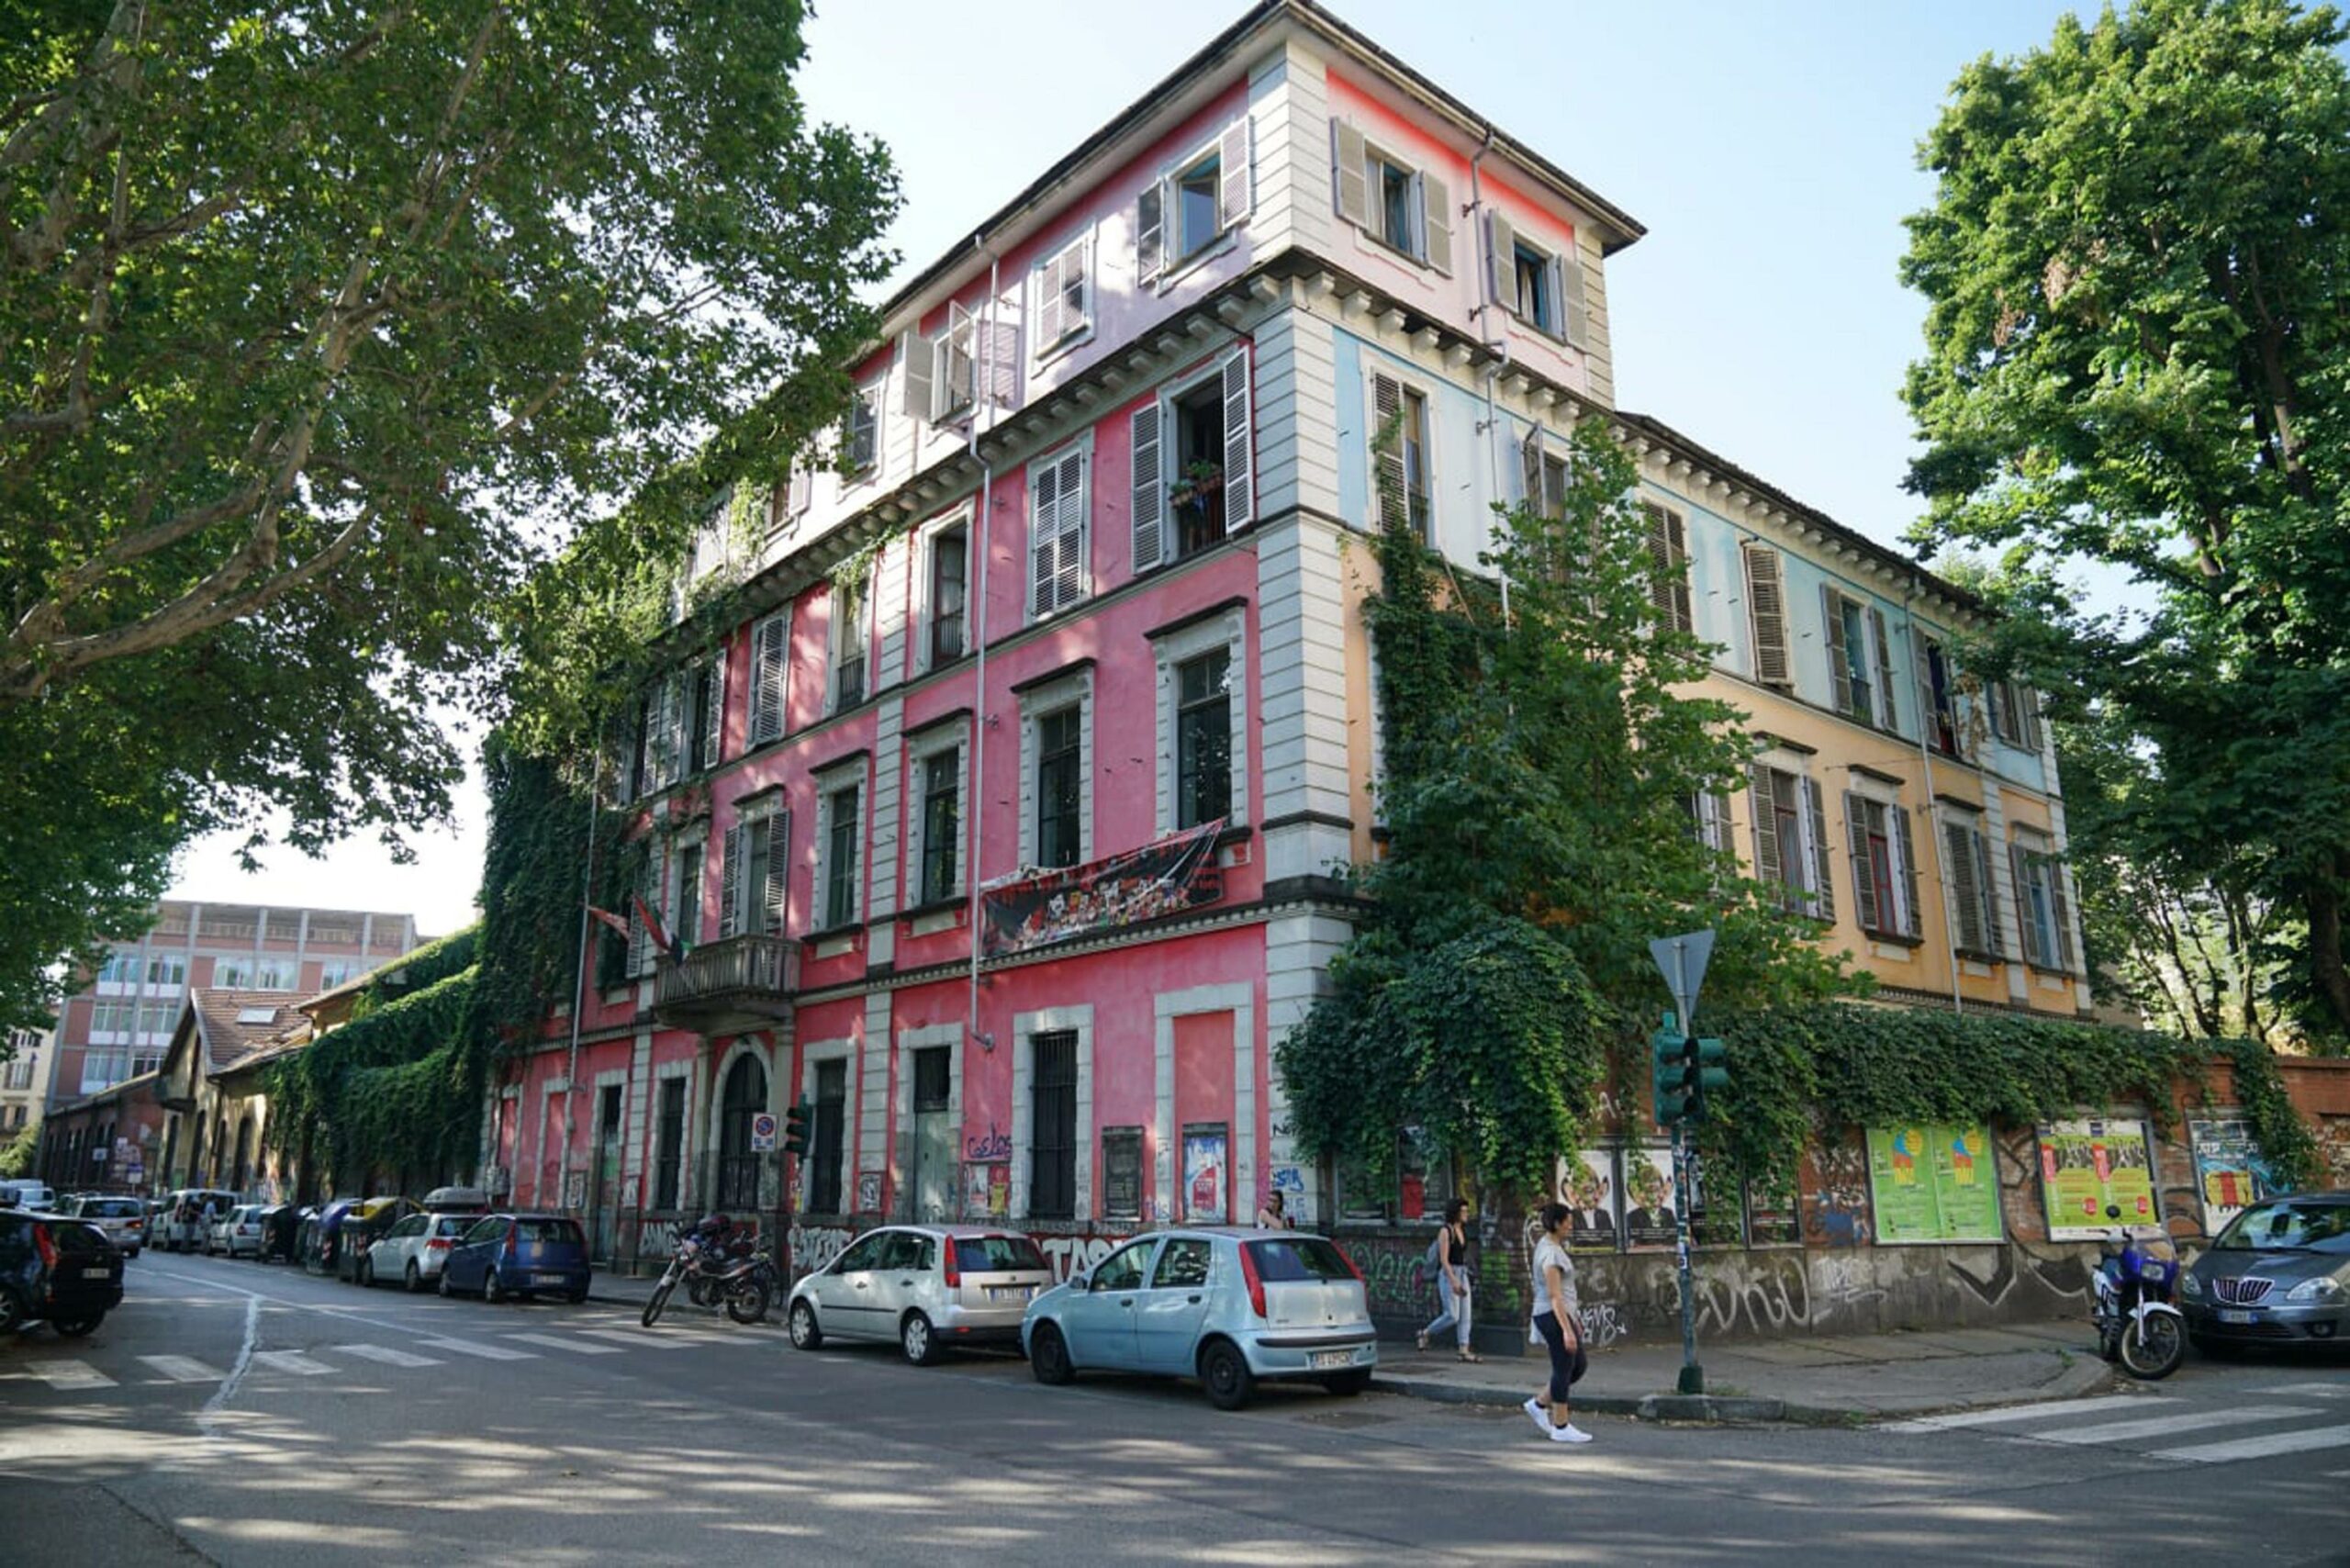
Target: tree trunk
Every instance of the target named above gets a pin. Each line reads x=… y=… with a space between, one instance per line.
x=2324 y=904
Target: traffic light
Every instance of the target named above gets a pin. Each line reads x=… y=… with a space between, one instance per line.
x=1704 y=1071
x=1666 y=1068
x=1686 y=1070
x=795 y=1128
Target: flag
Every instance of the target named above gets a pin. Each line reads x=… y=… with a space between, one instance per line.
x=617 y=922
x=661 y=937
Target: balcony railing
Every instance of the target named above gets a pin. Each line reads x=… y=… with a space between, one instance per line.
x=735 y=983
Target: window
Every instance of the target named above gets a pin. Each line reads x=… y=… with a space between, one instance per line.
x=708 y=692
x=336 y=972
x=2042 y=913
x=1122 y=1270
x=826 y=1137
x=1708 y=819
x=122 y=969
x=1766 y=613
x=1193 y=466
x=952 y=374
x=841 y=845
x=2015 y=714
x=1972 y=889
x=950 y=565
x=1791 y=840
x=1060 y=734
x=738 y=1164
x=1398 y=210
x=860 y=432
x=770 y=661
x=1203 y=738
x=156 y=1018
x=685 y=920
x=941 y=840
x=848 y=642
x=1545 y=474
x=277 y=974
x=1884 y=867
x=1937 y=700
x=1061 y=296
x=669 y=1144
x=1187 y=210
x=1668 y=567
x=1056 y=533
x=1535 y=297
x=233 y=974
x=1408 y=210
x=169 y=973
x=754 y=867
x=1860 y=659
x=1183 y=1264
x=1401 y=487
x=1052 y=1182
x=1195 y=208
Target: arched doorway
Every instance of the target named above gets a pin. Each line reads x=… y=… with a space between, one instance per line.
x=745 y=1096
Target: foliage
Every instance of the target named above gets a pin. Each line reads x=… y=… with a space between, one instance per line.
x=17 y=1157
x=2285 y=1139
x=2134 y=264
x=397 y=1088
x=531 y=887
x=1542 y=766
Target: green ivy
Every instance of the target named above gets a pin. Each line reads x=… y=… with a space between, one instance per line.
x=398 y=1088
x=2284 y=1137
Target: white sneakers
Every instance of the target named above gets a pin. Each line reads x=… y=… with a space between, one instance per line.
x=1570 y=1433
x=1541 y=1416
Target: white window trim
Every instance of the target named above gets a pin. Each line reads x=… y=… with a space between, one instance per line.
x=1083 y=447
x=1877 y=792
x=828 y=784
x=1228 y=632
x=1046 y=350
x=925 y=552
x=1781 y=760
x=876 y=388
x=921 y=749
x=834 y=623
x=1173 y=269
x=1553 y=260
x=1025 y=1027
x=1409 y=379
x=1076 y=688
x=928 y=1037
x=1375 y=207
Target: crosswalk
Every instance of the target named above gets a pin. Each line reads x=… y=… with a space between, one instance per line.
x=2302 y=1417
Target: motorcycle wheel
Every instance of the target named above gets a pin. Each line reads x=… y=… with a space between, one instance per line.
x=748 y=1302
x=659 y=1299
x=2152 y=1346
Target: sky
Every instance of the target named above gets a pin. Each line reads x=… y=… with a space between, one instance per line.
x=1769 y=147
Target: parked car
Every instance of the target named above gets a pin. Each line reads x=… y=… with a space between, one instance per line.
x=58 y=1270
x=503 y=1255
x=123 y=1219
x=1229 y=1308
x=927 y=1287
x=361 y=1228
x=237 y=1233
x=415 y=1250
x=2278 y=1273
x=24 y=1193
x=186 y=1227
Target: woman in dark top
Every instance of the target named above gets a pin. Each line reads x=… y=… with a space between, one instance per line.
x=1452 y=1280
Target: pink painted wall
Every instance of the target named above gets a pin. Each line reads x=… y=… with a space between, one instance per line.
x=1204 y=1043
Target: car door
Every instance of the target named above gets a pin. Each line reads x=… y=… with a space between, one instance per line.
x=471 y=1258
x=1099 y=1321
x=847 y=1306
x=898 y=1277
x=388 y=1258
x=1174 y=1305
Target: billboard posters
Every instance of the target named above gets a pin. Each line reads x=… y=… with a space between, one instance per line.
x=2088 y=1165
x=1206 y=1165
x=2229 y=1173
x=1716 y=1215
x=1650 y=1223
x=1121 y=1172
x=1933 y=1184
x=1772 y=1217
x=1587 y=1185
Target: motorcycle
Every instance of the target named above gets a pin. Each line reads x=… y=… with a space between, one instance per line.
x=719 y=1265
x=2136 y=1324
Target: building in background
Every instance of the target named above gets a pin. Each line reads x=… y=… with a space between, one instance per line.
x=23 y=1078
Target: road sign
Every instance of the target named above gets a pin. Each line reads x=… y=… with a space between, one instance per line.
x=1682 y=960
x=762 y=1133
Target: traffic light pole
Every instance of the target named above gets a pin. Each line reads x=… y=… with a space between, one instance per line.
x=1692 y=1376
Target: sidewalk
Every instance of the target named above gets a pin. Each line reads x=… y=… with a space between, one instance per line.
x=1829 y=1380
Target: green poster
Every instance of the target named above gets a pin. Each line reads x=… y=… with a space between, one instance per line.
x=1966 y=1181
x=1933 y=1184
x=2085 y=1167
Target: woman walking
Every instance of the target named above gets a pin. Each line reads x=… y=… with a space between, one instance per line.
x=1452 y=1280
x=1556 y=1325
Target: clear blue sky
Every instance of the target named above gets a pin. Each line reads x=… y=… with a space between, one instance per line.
x=1768 y=147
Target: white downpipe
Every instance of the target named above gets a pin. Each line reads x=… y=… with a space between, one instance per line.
x=976 y=619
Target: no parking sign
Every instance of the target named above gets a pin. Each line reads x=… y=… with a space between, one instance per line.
x=762 y=1133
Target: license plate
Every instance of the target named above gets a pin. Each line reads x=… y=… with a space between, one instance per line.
x=1007 y=1292
x=98 y=1273
x=2228 y=1316
x=1322 y=1358
x=547 y=1279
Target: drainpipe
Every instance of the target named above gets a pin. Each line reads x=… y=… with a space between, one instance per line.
x=578 y=1003
x=976 y=619
x=1941 y=859
x=1479 y=242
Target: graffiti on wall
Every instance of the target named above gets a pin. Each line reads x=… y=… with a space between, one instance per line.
x=1835 y=1200
x=1069 y=1254
x=814 y=1246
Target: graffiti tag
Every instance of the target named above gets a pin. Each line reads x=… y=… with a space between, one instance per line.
x=989 y=1149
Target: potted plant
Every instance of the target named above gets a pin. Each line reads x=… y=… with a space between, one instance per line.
x=1201 y=480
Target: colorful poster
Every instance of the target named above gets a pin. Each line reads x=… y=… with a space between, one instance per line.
x=1174 y=874
x=1933 y=1184
x=2231 y=1175
x=1206 y=1169
x=1649 y=1222
x=1587 y=1185
x=1772 y=1218
x=2085 y=1167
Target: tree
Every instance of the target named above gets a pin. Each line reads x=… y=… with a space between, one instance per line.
x=18 y=1155
x=2135 y=264
x=323 y=322
x=1544 y=771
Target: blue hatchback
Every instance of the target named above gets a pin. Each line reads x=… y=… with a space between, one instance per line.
x=506 y=1255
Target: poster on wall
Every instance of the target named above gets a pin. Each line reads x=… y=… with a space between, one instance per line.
x=1772 y=1218
x=1587 y=1185
x=2231 y=1175
x=1206 y=1167
x=1177 y=873
x=1716 y=1214
x=1121 y=1172
x=1933 y=1184
x=1650 y=1223
x=2085 y=1167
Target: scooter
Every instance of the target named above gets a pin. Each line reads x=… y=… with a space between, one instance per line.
x=2136 y=1324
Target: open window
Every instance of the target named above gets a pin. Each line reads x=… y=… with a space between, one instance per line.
x=1401 y=485
x=1403 y=206
x=1181 y=215
x=1193 y=466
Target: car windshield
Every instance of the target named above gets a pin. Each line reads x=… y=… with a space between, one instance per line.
x=992 y=1254
x=1298 y=1258
x=2287 y=1226
x=112 y=1208
x=561 y=1231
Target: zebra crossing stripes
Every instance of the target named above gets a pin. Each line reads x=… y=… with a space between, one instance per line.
x=2010 y=1414
x=69 y=1375
x=2165 y=1425
x=2339 y=1388
x=2308 y=1440
x=184 y=1369
x=293 y=1362
x=571 y=1343
x=657 y=1339
x=2165 y=1428
x=476 y=1348
x=385 y=1355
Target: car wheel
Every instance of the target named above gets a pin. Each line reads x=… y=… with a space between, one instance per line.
x=76 y=1327
x=490 y=1290
x=805 y=1333
x=411 y=1278
x=917 y=1339
x=1048 y=1356
x=1226 y=1374
x=366 y=1274
x=1350 y=1382
x=11 y=1314
x=446 y=1288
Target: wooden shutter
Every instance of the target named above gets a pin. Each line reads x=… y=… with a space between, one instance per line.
x=1149 y=497
x=1668 y=550
x=1578 y=307
x=1529 y=453
x=1069 y=581
x=1500 y=262
x=801 y=490
x=1044 y=537
x=1823 y=891
x=1239 y=478
x=914 y=353
x=2061 y=914
x=775 y=898
x=2000 y=697
x=1883 y=647
x=1913 y=922
x=1049 y=282
x=768 y=651
x=1768 y=869
x=1921 y=666
x=1966 y=885
x=1349 y=182
x=999 y=356
x=713 y=708
x=732 y=846
x=2028 y=710
x=1436 y=213
x=1150 y=232
x=1388 y=502
x=2027 y=923
x=1866 y=895
x=956 y=352
x=1555 y=269
x=1766 y=612
x=1234 y=188
x=1839 y=664
x=1995 y=939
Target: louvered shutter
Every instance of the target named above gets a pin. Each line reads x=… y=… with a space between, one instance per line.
x=1239 y=479
x=1578 y=316
x=1049 y=282
x=1044 y=537
x=1995 y=930
x=1865 y=893
x=1349 y=180
x=999 y=348
x=681 y=722
x=1840 y=657
x=2027 y=920
x=1886 y=716
x=1668 y=550
x=1150 y=233
x=1069 y=572
x=1234 y=190
x=2061 y=905
x=1823 y=891
x=768 y=651
x=1913 y=923
x=1436 y=210
x=1768 y=867
x=958 y=350
x=1147 y=499
x=1388 y=502
x=1766 y=609
x=1921 y=666
x=1500 y=262
x=732 y=846
x=1529 y=455
x=914 y=353
x=1966 y=887
x=713 y=708
x=2028 y=709
x=773 y=898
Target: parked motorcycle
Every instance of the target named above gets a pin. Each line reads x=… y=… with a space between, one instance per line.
x=2136 y=1324
x=719 y=1265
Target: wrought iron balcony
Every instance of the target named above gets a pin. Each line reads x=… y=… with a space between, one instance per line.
x=734 y=984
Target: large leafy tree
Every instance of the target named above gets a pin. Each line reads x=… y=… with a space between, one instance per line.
x=322 y=323
x=2136 y=264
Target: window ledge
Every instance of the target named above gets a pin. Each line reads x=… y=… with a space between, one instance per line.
x=1223 y=244
x=1066 y=344
x=1896 y=937
x=935 y=906
x=1977 y=955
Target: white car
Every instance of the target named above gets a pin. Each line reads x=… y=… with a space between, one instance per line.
x=123 y=1219
x=927 y=1287
x=182 y=1226
x=414 y=1250
x=237 y=1233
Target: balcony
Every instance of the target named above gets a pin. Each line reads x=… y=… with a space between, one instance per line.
x=729 y=986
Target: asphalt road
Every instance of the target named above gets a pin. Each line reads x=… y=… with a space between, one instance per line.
x=248 y=1415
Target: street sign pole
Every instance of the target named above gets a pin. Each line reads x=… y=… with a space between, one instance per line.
x=1681 y=961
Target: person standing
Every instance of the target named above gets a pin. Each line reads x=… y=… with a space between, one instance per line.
x=1557 y=1325
x=1273 y=1214
x=1452 y=1287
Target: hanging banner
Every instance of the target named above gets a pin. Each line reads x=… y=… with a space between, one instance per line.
x=1933 y=1184
x=2085 y=1167
x=2229 y=1173
x=1175 y=874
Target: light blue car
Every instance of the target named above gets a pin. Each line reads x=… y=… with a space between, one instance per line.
x=1226 y=1307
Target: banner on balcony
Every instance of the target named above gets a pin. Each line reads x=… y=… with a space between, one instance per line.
x=1175 y=874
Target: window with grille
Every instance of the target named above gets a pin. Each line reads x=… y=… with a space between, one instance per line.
x=848 y=642
x=840 y=858
x=669 y=1144
x=949 y=575
x=1052 y=1182
x=942 y=791
x=931 y=1077
x=1203 y=738
x=738 y=1164
x=1059 y=785
x=825 y=1136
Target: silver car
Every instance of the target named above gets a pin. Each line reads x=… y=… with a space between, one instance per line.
x=123 y=1219
x=414 y=1250
x=1229 y=1308
x=237 y=1233
x=927 y=1287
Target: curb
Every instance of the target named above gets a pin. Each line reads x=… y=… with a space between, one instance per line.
x=1495 y=1398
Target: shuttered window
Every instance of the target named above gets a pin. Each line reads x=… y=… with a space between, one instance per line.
x=1057 y=513
x=1885 y=868
x=1791 y=840
x=1405 y=208
x=861 y=431
x=1542 y=289
x=2043 y=919
x=1937 y=694
x=953 y=355
x=1972 y=889
x=1400 y=482
x=1669 y=566
x=848 y=642
x=769 y=651
x=1767 y=614
x=710 y=713
x=1060 y=296
x=1185 y=212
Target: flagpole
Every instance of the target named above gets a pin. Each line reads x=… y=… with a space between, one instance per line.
x=578 y=1004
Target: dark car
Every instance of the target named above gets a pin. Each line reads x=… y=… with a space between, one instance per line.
x=2277 y=1274
x=56 y=1268
x=519 y=1255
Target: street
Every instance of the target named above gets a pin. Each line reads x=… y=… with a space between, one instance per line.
x=243 y=1414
